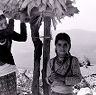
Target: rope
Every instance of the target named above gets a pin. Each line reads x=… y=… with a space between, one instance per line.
x=43 y=37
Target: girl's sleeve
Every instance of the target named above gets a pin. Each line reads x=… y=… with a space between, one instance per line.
x=5 y=33
x=76 y=76
x=11 y=34
x=23 y=33
x=51 y=75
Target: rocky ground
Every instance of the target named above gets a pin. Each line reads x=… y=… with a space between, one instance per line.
x=24 y=81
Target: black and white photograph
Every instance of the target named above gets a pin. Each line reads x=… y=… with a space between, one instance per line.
x=47 y=47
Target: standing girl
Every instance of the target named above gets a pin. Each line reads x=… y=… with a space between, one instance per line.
x=63 y=71
x=7 y=65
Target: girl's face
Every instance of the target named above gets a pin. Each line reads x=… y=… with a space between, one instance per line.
x=3 y=24
x=62 y=48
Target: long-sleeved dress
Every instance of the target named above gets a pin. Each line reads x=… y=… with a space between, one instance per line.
x=60 y=83
x=7 y=64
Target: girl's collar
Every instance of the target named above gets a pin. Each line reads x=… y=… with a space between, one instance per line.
x=65 y=58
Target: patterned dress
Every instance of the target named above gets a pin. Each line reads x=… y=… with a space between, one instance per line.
x=61 y=84
x=8 y=84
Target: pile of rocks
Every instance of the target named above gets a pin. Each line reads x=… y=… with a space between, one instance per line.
x=86 y=86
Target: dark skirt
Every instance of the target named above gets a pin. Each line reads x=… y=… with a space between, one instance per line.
x=8 y=84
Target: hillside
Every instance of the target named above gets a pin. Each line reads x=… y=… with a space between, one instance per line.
x=83 y=44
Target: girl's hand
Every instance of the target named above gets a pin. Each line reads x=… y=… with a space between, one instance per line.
x=52 y=77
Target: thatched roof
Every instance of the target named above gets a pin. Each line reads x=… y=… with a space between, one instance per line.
x=56 y=9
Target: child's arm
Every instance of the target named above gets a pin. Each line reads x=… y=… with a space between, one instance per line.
x=4 y=34
x=51 y=76
x=10 y=33
x=76 y=76
x=23 y=31
x=11 y=24
x=23 y=35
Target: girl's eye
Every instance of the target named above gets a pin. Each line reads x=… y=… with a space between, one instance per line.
x=59 y=44
x=65 y=44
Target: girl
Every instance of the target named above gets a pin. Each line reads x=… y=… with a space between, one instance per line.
x=7 y=65
x=63 y=71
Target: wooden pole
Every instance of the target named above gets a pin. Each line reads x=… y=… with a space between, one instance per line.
x=37 y=55
x=46 y=52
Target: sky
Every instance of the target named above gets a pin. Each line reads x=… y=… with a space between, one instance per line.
x=85 y=20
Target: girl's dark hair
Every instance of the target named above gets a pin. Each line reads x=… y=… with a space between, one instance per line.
x=63 y=36
x=2 y=17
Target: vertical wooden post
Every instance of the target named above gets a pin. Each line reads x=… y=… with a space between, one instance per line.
x=46 y=52
x=37 y=54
